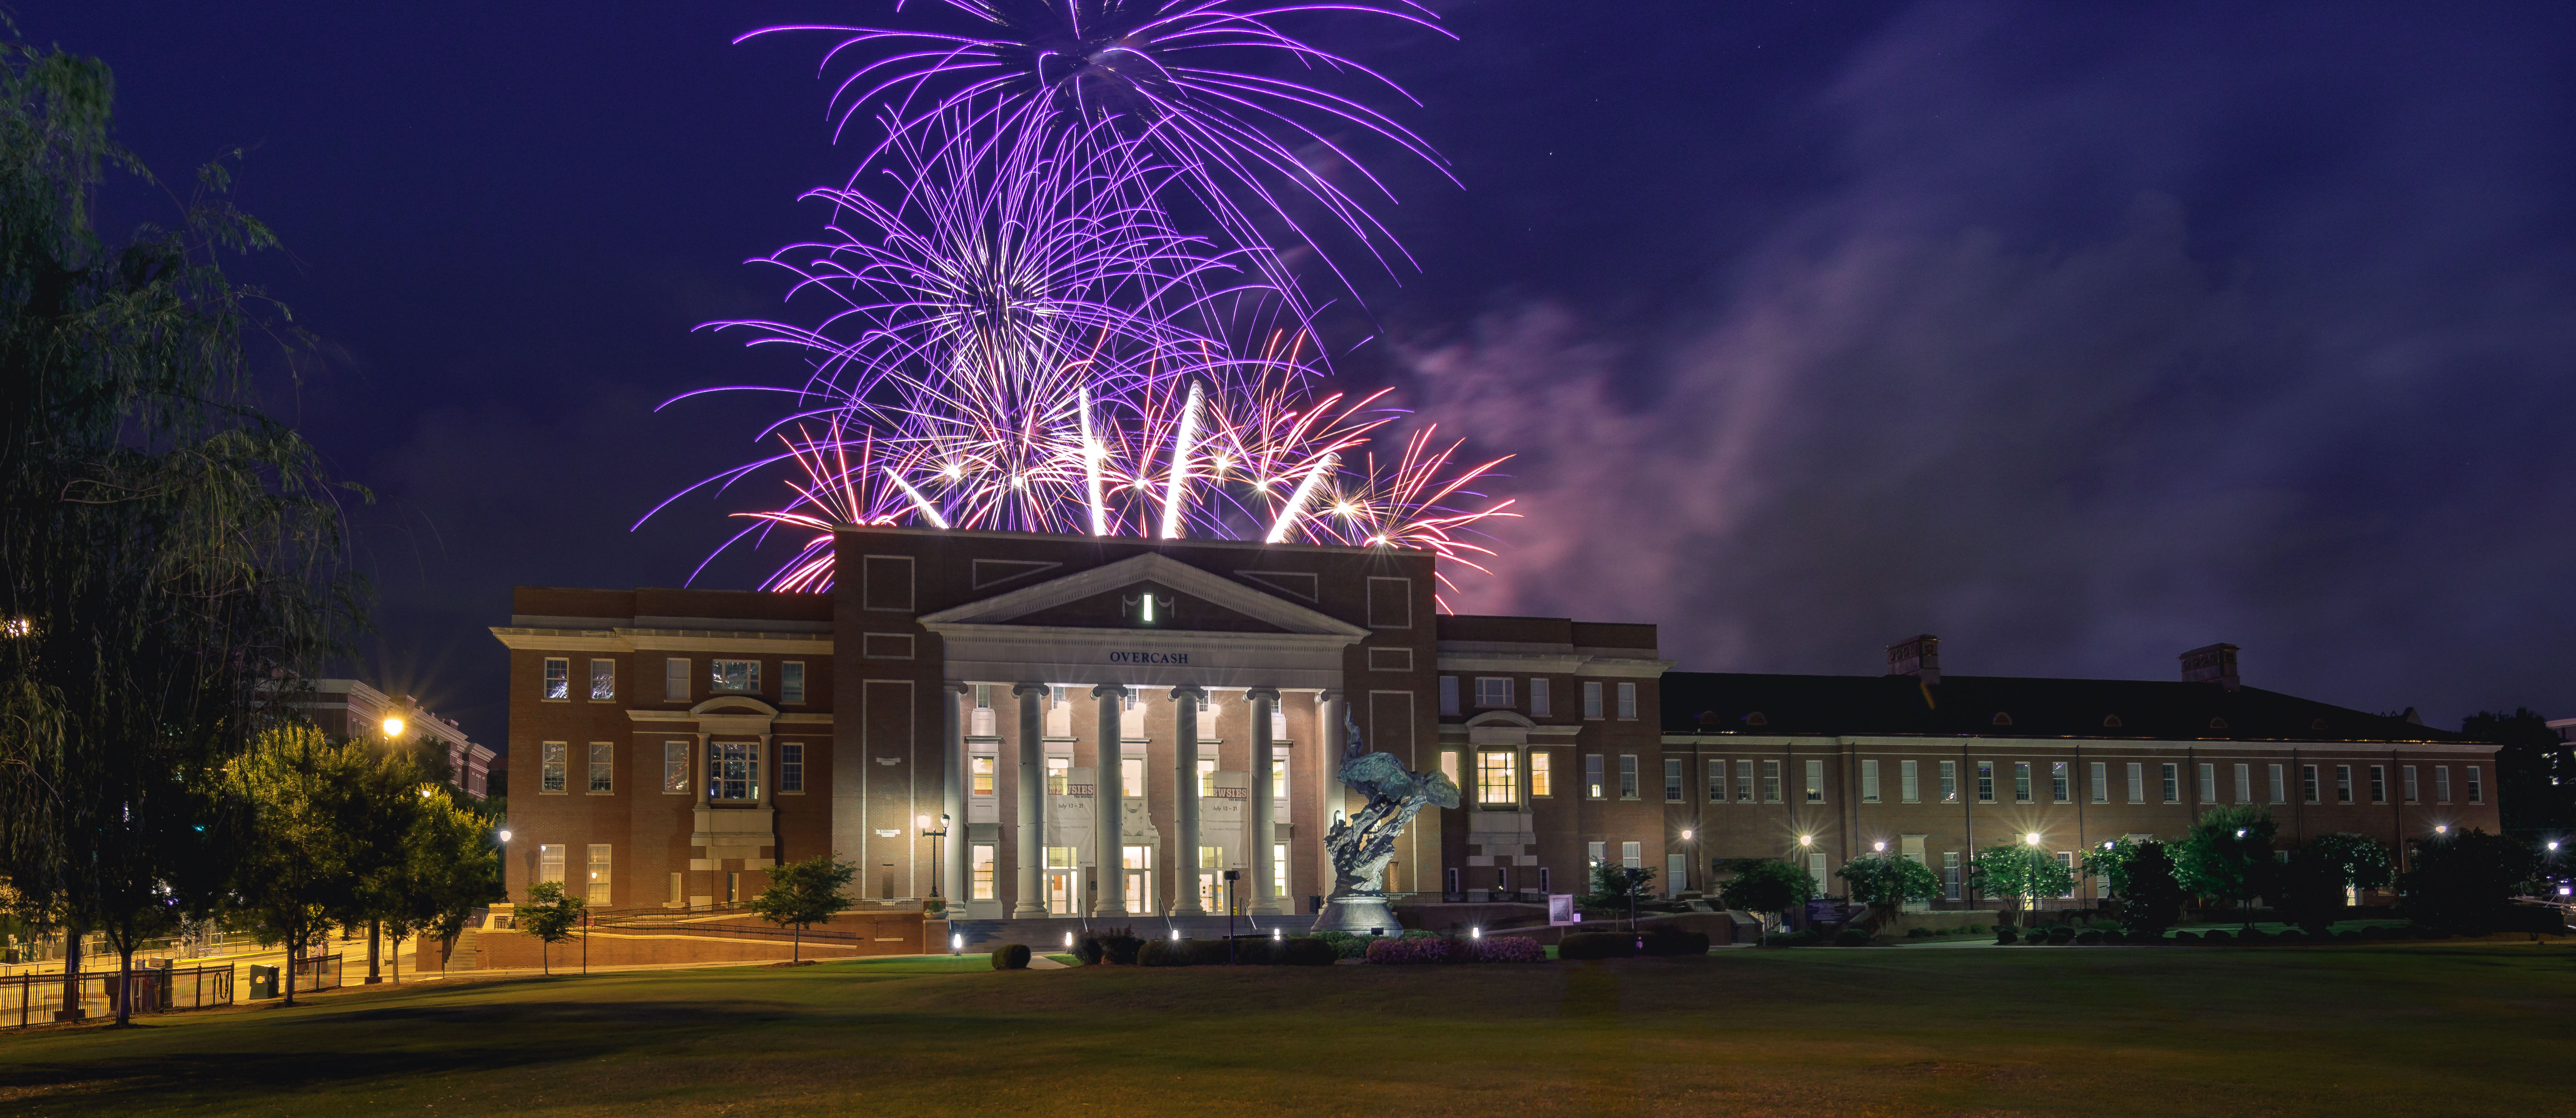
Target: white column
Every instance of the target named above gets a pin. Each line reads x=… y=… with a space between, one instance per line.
x=1026 y=822
x=1265 y=902
x=952 y=795
x=1327 y=760
x=1109 y=803
x=1185 y=804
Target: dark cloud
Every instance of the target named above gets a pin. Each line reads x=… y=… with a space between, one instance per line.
x=2116 y=337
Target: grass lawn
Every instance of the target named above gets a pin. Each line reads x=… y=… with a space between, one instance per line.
x=2413 y=1029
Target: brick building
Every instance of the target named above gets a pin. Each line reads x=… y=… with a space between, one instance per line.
x=668 y=746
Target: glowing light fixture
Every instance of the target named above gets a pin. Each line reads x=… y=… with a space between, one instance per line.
x=505 y=834
x=2031 y=838
x=1879 y=846
x=1806 y=840
x=393 y=727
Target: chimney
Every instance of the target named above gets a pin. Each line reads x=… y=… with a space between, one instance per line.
x=2212 y=664
x=1919 y=657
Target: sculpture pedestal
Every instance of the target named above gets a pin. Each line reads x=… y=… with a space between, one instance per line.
x=1359 y=915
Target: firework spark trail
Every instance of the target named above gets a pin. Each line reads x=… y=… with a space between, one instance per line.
x=1178 y=74
x=1018 y=336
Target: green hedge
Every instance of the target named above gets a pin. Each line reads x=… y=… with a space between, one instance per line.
x=1011 y=956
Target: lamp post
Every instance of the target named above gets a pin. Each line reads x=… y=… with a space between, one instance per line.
x=934 y=835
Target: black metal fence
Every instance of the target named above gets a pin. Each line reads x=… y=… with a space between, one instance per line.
x=30 y=999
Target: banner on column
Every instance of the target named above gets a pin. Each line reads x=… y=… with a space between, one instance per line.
x=1069 y=817
x=1222 y=816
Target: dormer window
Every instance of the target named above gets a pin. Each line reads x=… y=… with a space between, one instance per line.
x=1756 y=719
x=1149 y=608
x=2111 y=722
x=2218 y=723
x=2002 y=719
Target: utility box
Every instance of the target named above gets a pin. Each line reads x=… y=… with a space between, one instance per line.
x=263 y=981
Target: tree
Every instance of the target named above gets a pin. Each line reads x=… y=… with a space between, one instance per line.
x=2227 y=855
x=802 y=894
x=2535 y=772
x=380 y=809
x=450 y=867
x=1617 y=887
x=2110 y=863
x=2464 y=881
x=1884 y=881
x=2150 y=898
x=289 y=801
x=2021 y=874
x=168 y=554
x=1771 y=886
x=550 y=914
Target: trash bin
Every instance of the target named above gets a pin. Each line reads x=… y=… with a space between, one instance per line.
x=263 y=981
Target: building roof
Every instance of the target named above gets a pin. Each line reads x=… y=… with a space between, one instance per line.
x=2011 y=706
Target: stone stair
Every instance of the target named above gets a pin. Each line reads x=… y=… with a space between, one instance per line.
x=1048 y=933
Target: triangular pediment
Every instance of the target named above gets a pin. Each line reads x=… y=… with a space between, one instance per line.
x=1191 y=599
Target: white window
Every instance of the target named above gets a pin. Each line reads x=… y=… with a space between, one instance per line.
x=1592 y=698
x=2021 y=782
x=598 y=874
x=1279 y=869
x=1594 y=853
x=1632 y=854
x=1950 y=874
x=1628 y=701
x=603 y=767
x=2208 y=783
x=2406 y=775
x=1949 y=782
x=1869 y=782
x=1627 y=776
x=1592 y=776
x=2173 y=783
x=2066 y=859
x=1985 y=782
x=981 y=771
x=1744 y=782
x=1059 y=776
x=603 y=679
x=734 y=675
x=2343 y=784
x=1131 y=778
x=2059 y=782
x=1540 y=781
x=553 y=768
x=1816 y=869
x=1279 y=724
x=1497 y=777
x=1449 y=764
x=1771 y=782
x=2477 y=787
x=1538 y=698
x=791 y=681
x=979 y=871
x=1672 y=780
x=675 y=680
x=2137 y=783
x=2379 y=784
x=791 y=766
x=2441 y=784
x=1717 y=782
x=558 y=678
x=1493 y=691
x=2101 y=782
x=1676 y=872
x=676 y=885
x=733 y=770
x=2244 y=784
x=1909 y=782
x=1815 y=782
x=2308 y=783
x=550 y=863
x=1207 y=778
x=2280 y=788
x=675 y=767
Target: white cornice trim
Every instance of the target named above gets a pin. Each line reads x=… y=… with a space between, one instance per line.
x=1149 y=567
x=1551 y=663
x=2322 y=750
x=529 y=639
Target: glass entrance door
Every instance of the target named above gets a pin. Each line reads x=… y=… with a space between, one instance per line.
x=1063 y=890
x=1138 y=865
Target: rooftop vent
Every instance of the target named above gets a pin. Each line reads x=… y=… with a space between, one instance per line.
x=1919 y=657
x=2214 y=663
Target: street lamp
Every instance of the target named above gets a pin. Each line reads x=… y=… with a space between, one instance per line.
x=1806 y=840
x=940 y=869
x=1879 y=846
x=505 y=834
x=393 y=726
x=2031 y=839
x=2442 y=828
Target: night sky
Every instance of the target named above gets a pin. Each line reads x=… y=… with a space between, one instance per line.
x=2078 y=334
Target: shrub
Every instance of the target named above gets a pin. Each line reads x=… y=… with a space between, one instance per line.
x=2217 y=935
x=1108 y=945
x=1345 y=945
x=2257 y=937
x=2186 y=937
x=1917 y=933
x=1313 y=951
x=1975 y=929
x=2061 y=935
x=2380 y=931
x=1851 y=937
x=1410 y=950
x=2004 y=934
x=1807 y=938
x=1011 y=956
x=1674 y=941
x=2350 y=936
x=2090 y=937
x=1166 y=953
x=1510 y=949
x=1599 y=945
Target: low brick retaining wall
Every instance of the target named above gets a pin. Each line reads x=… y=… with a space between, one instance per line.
x=845 y=938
